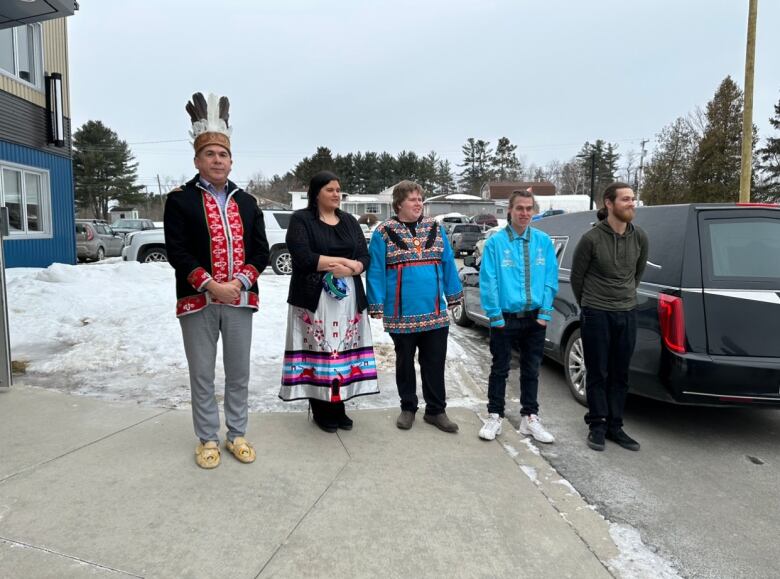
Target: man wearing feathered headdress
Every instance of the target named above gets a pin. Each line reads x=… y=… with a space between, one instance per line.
x=215 y=239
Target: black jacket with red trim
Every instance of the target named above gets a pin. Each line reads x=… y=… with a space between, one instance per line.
x=190 y=241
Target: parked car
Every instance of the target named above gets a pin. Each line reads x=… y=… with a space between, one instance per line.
x=480 y=245
x=366 y=232
x=548 y=213
x=463 y=237
x=96 y=240
x=486 y=220
x=708 y=304
x=125 y=226
x=149 y=246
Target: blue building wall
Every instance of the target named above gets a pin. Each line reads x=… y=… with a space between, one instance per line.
x=61 y=247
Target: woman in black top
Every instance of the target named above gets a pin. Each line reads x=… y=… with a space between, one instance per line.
x=329 y=355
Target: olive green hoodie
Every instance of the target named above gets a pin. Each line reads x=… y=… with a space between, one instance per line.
x=607 y=267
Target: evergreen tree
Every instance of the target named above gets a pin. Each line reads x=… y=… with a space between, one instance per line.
x=769 y=164
x=477 y=161
x=104 y=169
x=606 y=165
x=505 y=163
x=716 y=165
x=445 y=182
x=427 y=173
x=386 y=171
x=408 y=165
x=667 y=175
x=344 y=167
x=322 y=160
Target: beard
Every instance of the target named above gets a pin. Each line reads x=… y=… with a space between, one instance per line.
x=624 y=215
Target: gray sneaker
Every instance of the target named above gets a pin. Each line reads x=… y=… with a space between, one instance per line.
x=442 y=422
x=405 y=420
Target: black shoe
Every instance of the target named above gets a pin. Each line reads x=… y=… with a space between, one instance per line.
x=345 y=422
x=623 y=439
x=326 y=426
x=596 y=440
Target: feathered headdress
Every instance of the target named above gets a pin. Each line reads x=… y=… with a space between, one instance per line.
x=209 y=121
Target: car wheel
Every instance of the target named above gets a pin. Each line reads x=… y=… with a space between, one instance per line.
x=101 y=254
x=574 y=367
x=154 y=254
x=281 y=262
x=459 y=316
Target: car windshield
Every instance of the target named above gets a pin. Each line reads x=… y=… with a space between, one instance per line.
x=128 y=224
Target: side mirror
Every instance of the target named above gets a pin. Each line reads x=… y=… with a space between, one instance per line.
x=470 y=261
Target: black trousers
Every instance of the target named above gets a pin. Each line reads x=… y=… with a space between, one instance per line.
x=432 y=346
x=608 y=340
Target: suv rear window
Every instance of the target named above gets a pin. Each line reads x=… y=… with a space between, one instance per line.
x=467 y=229
x=745 y=249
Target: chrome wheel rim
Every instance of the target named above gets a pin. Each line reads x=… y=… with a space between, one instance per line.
x=576 y=367
x=284 y=263
x=155 y=256
x=457 y=312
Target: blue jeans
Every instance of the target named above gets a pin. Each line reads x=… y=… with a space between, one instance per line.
x=608 y=340
x=528 y=334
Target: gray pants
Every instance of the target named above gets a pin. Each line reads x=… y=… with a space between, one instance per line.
x=201 y=332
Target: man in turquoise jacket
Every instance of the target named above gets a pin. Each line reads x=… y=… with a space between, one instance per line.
x=518 y=279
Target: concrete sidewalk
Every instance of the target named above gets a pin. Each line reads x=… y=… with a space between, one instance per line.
x=99 y=489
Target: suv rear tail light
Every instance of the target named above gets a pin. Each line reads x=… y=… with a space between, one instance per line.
x=672 y=322
x=90 y=235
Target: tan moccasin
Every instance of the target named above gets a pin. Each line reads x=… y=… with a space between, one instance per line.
x=207 y=455
x=241 y=449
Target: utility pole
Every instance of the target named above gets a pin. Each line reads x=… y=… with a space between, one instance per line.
x=592 y=178
x=747 y=111
x=592 y=174
x=159 y=186
x=639 y=180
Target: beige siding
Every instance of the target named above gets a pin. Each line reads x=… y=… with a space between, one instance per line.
x=55 y=59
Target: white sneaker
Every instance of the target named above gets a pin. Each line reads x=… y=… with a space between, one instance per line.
x=491 y=428
x=532 y=426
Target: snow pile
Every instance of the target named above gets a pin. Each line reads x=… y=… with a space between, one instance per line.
x=109 y=330
x=636 y=560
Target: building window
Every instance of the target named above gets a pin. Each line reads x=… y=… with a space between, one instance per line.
x=25 y=192
x=372 y=208
x=21 y=55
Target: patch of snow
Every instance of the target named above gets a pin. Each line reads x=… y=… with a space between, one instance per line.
x=531 y=446
x=636 y=560
x=529 y=471
x=513 y=452
x=108 y=330
x=568 y=485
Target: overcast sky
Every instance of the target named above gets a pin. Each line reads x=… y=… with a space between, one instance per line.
x=408 y=75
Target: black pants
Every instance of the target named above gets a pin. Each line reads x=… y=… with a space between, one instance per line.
x=433 y=354
x=608 y=340
x=528 y=334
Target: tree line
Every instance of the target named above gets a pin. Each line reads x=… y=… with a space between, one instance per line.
x=695 y=158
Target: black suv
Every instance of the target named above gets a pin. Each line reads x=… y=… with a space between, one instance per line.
x=708 y=314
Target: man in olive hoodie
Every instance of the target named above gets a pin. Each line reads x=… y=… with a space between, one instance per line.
x=608 y=263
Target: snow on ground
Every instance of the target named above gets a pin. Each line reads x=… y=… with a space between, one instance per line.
x=109 y=330
x=637 y=560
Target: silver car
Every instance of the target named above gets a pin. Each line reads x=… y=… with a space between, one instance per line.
x=95 y=239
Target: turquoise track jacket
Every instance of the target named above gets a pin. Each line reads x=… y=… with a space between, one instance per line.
x=518 y=273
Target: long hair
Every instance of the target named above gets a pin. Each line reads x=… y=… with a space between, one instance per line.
x=610 y=193
x=317 y=182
